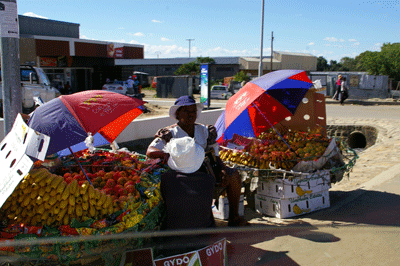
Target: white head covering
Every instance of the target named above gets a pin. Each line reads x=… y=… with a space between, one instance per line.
x=186 y=155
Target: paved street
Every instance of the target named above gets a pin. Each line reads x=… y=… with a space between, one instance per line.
x=362 y=225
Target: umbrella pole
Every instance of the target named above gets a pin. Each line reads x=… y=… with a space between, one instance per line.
x=266 y=119
x=83 y=170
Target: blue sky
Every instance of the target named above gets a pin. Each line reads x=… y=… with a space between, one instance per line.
x=332 y=29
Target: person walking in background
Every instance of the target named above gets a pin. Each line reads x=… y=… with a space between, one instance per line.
x=338 y=85
x=136 y=85
x=344 y=91
x=67 y=88
x=130 y=84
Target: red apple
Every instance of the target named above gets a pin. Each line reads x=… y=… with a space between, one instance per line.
x=110 y=183
x=122 y=192
x=108 y=190
x=121 y=180
x=130 y=189
x=129 y=182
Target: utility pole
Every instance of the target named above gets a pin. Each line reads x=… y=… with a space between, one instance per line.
x=272 y=47
x=189 y=44
x=260 y=66
x=9 y=32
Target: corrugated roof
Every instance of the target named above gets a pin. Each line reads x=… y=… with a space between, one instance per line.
x=174 y=61
x=294 y=53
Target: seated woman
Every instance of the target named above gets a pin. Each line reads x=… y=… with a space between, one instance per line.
x=186 y=111
x=187 y=192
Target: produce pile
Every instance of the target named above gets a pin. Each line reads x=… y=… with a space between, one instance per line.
x=120 y=190
x=271 y=150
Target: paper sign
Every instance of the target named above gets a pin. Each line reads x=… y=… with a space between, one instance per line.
x=12 y=174
x=31 y=142
x=214 y=255
x=187 y=259
x=14 y=162
x=9 y=19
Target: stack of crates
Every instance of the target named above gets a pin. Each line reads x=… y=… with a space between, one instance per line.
x=294 y=195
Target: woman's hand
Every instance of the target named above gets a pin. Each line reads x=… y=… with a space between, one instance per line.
x=156 y=153
x=165 y=158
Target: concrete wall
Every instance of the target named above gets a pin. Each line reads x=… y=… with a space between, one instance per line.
x=307 y=63
x=362 y=85
x=147 y=128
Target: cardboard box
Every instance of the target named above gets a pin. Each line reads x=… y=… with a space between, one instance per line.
x=299 y=186
x=309 y=114
x=290 y=207
x=222 y=211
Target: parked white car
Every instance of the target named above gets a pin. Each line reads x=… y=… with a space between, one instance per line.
x=34 y=85
x=116 y=86
x=220 y=92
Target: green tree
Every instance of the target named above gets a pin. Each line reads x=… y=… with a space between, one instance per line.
x=193 y=67
x=334 y=66
x=202 y=60
x=322 y=64
x=385 y=62
x=348 y=64
x=390 y=60
x=369 y=62
x=188 y=69
x=241 y=76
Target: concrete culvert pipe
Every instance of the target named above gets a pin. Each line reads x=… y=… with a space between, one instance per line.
x=357 y=140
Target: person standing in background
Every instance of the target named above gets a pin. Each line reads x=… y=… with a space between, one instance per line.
x=338 y=85
x=67 y=88
x=344 y=91
x=130 y=84
x=136 y=85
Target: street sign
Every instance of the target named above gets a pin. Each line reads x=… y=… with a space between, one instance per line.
x=9 y=33
x=205 y=86
x=9 y=19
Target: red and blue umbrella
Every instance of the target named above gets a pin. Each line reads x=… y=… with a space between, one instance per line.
x=68 y=119
x=262 y=103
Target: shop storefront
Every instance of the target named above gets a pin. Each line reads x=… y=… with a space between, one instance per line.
x=72 y=64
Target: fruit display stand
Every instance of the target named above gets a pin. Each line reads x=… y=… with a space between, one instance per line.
x=67 y=214
x=291 y=164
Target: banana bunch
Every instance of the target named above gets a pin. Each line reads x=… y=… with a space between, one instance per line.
x=243 y=158
x=43 y=198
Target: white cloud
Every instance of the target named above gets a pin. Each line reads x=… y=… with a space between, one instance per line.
x=168 y=51
x=138 y=34
x=311 y=43
x=218 y=51
x=352 y=40
x=156 y=21
x=355 y=44
x=341 y=40
x=31 y=14
x=165 y=39
x=121 y=28
x=330 y=39
x=122 y=41
x=83 y=37
x=134 y=42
